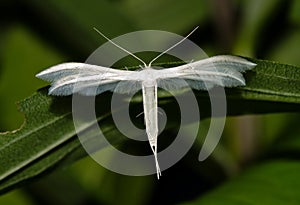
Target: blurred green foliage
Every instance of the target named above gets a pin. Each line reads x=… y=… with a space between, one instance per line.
x=37 y=34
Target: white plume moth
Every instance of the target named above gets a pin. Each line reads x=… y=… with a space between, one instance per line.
x=222 y=71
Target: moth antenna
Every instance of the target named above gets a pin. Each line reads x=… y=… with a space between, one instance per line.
x=176 y=44
x=120 y=47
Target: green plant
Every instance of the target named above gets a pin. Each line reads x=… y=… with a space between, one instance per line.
x=262 y=171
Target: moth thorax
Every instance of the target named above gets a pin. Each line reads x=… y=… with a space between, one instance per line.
x=149 y=83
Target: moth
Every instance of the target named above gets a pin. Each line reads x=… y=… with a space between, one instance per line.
x=86 y=79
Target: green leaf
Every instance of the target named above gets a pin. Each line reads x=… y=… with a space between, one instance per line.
x=43 y=140
x=269 y=183
x=48 y=139
x=272 y=81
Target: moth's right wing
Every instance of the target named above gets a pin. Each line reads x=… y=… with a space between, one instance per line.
x=225 y=71
x=86 y=79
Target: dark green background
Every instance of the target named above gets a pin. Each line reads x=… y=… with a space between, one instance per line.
x=257 y=159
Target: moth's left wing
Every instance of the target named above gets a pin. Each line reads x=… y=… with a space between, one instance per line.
x=86 y=79
x=225 y=71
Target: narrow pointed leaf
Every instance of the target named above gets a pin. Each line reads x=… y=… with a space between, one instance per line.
x=48 y=138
